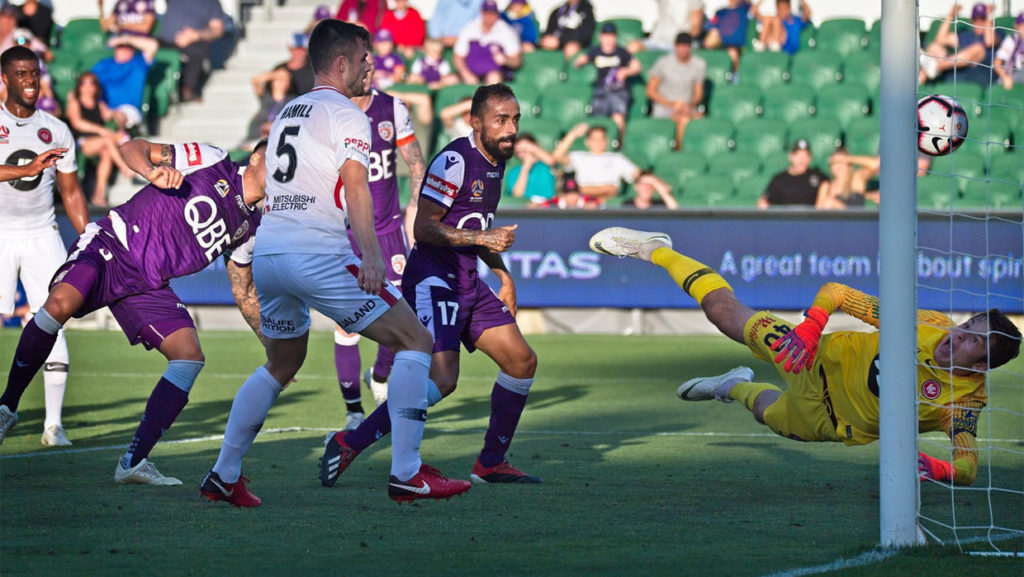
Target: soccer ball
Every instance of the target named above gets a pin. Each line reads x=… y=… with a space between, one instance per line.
x=941 y=125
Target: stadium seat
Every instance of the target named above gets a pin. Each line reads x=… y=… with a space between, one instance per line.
x=750 y=189
x=677 y=168
x=999 y=95
x=936 y=192
x=968 y=94
x=529 y=97
x=734 y=103
x=816 y=68
x=761 y=137
x=987 y=137
x=764 y=70
x=863 y=69
x=87 y=60
x=708 y=136
x=584 y=76
x=707 y=190
x=875 y=36
x=648 y=139
x=1008 y=167
x=862 y=136
x=82 y=35
x=738 y=166
x=162 y=80
x=546 y=132
x=448 y=95
x=647 y=58
x=842 y=35
x=961 y=166
x=842 y=103
x=719 y=69
x=627 y=29
x=788 y=103
x=807 y=36
x=542 y=68
x=1012 y=118
x=823 y=134
x=63 y=76
x=993 y=194
x=568 y=105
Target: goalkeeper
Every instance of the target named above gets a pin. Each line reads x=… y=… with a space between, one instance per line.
x=832 y=380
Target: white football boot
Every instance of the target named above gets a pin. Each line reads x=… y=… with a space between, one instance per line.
x=705 y=388
x=54 y=436
x=623 y=242
x=145 y=473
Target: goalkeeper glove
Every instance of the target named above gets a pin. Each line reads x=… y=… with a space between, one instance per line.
x=929 y=468
x=799 y=345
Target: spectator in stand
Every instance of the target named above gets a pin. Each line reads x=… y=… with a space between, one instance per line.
x=366 y=13
x=431 y=68
x=406 y=26
x=1009 y=60
x=487 y=48
x=651 y=192
x=123 y=76
x=519 y=16
x=569 y=196
x=455 y=119
x=798 y=184
x=36 y=18
x=87 y=116
x=675 y=85
x=450 y=17
x=855 y=179
x=728 y=29
x=278 y=85
x=614 y=67
x=129 y=17
x=191 y=26
x=322 y=12
x=389 y=68
x=532 y=179
x=600 y=173
x=674 y=17
x=973 y=46
x=570 y=28
x=11 y=35
x=781 y=30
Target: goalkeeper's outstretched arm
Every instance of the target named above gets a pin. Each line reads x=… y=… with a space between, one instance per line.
x=834 y=296
x=961 y=423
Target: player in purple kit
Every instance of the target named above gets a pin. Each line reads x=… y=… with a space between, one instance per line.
x=391 y=131
x=198 y=205
x=457 y=205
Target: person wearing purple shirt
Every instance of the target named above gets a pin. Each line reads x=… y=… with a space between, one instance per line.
x=389 y=67
x=453 y=232
x=198 y=205
x=129 y=17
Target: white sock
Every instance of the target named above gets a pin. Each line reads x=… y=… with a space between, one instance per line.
x=407 y=407
x=248 y=411
x=55 y=379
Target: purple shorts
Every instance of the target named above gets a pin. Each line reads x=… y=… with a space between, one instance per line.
x=392 y=248
x=101 y=270
x=455 y=316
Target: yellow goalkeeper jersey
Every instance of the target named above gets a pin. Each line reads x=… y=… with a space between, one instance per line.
x=849 y=363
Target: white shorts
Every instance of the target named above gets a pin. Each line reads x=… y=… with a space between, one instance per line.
x=132 y=115
x=34 y=260
x=288 y=284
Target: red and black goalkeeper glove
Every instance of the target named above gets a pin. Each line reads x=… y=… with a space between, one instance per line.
x=799 y=345
x=930 y=468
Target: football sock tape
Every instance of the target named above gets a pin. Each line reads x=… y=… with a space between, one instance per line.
x=182 y=374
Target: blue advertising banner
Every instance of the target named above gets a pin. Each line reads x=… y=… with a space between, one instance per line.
x=773 y=259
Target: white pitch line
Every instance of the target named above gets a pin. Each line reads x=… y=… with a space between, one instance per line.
x=866 y=558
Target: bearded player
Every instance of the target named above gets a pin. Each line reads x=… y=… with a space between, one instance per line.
x=198 y=205
x=832 y=379
x=36 y=150
x=453 y=230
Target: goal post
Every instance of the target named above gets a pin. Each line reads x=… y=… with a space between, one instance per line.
x=898 y=484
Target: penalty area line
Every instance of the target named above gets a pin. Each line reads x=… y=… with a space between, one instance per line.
x=866 y=558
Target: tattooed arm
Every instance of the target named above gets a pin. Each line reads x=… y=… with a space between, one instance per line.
x=430 y=230
x=152 y=161
x=413 y=157
x=244 y=291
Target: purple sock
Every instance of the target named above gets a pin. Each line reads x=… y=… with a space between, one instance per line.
x=33 y=348
x=346 y=363
x=506 y=408
x=374 y=427
x=382 y=367
x=163 y=407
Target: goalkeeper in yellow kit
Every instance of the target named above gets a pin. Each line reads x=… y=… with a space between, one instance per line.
x=833 y=395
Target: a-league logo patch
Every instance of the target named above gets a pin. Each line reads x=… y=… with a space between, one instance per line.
x=222 y=187
x=931 y=390
x=386 y=130
x=477 y=188
x=45 y=135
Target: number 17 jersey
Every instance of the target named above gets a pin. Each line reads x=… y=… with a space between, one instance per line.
x=309 y=141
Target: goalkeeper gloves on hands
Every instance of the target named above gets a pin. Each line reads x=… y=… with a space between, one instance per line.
x=929 y=468
x=799 y=345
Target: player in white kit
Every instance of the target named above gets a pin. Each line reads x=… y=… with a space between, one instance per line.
x=36 y=149
x=317 y=181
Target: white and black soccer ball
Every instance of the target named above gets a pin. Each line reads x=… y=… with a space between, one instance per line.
x=941 y=125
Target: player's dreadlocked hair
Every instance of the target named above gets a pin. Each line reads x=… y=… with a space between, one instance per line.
x=331 y=38
x=16 y=54
x=1003 y=338
x=485 y=93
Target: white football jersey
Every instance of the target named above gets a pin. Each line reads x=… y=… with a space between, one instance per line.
x=26 y=204
x=309 y=141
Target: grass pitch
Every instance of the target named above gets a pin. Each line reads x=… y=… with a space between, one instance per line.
x=636 y=482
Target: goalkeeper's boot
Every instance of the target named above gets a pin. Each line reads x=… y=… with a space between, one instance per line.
x=8 y=419
x=427 y=483
x=707 y=388
x=336 y=458
x=379 y=389
x=237 y=493
x=622 y=242
x=54 y=436
x=144 y=473
x=500 y=473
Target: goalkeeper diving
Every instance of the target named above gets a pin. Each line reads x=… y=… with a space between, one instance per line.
x=832 y=379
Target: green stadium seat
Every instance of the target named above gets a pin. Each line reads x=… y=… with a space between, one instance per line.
x=648 y=139
x=863 y=69
x=82 y=35
x=738 y=166
x=842 y=103
x=63 y=76
x=639 y=105
x=1012 y=118
x=788 y=103
x=1013 y=98
x=968 y=94
x=993 y=194
x=961 y=166
x=719 y=66
x=647 y=58
x=89 y=59
x=875 y=36
x=542 y=68
x=1008 y=167
x=627 y=29
x=807 y=36
x=987 y=136
x=936 y=192
x=546 y=132
x=582 y=76
x=708 y=136
x=162 y=81
x=816 y=68
x=748 y=191
x=734 y=103
x=862 y=136
x=448 y=95
x=677 y=168
x=529 y=97
x=764 y=70
x=761 y=137
x=707 y=190
x=842 y=35
x=823 y=134
x=566 y=104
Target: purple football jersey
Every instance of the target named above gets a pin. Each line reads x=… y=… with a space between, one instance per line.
x=388 y=131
